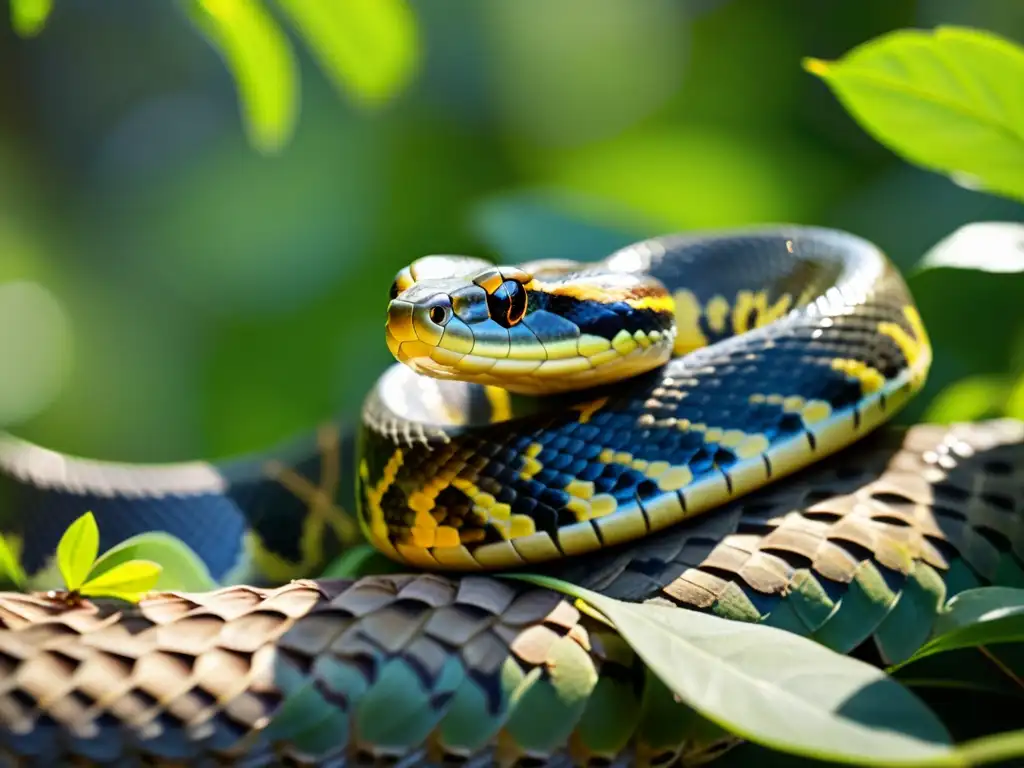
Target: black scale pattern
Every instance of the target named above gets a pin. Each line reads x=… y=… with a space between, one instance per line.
x=712 y=387
x=717 y=381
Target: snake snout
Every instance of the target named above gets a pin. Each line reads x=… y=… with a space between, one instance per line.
x=415 y=325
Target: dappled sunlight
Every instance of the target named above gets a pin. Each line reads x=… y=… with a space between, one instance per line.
x=35 y=345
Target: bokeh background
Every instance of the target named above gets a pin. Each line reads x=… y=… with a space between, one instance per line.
x=168 y=291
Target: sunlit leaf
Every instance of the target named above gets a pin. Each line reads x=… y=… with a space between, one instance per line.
x=77 y=550
x=976 y=617
x=181 y=568
x=11 y=571
x=968 y=288
x=368 y=48
x=127 y=581
x=261 y=61
x=776 y=688
x=989 y=749
x=28 y=17
x=949 y=100
x=975 y=397
x=991 y=246
x=1015 y=400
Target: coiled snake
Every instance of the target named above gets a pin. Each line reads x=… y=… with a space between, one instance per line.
x=612 y=423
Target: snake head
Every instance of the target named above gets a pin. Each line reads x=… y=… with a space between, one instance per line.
x=535 y=329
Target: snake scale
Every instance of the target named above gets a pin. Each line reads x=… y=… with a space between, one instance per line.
x=626 y=425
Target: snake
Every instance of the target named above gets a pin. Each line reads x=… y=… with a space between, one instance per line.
x=629 y=423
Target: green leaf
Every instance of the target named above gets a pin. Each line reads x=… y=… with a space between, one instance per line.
x=128 y=581
x=776 y=688
x=968 y=288
x=77 y=550
x=1015 y=400
x=989 y=749
x=976 y=617
x=261 y=61
x=181 y=568
x=28 y=17
x=10 y=566
x=969 y=399
x=991 y=246
x=949 y=100
x=368 y=48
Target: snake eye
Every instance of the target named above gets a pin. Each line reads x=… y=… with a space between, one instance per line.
x=507 y=304
x=439 y=315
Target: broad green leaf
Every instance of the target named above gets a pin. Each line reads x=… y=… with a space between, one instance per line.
x=968 y=288
x=949 y=100
x=128 y=581
x=28 y=17
x=967 y=670
x=989 y=749
x=991 y=246
x=261 y=61
x=985 y=616
x=969 y=399
x=77 y=550
x=181 y=568
x=1015 y=400
x=776 y=688
x=368 y=48
x=11 y=571
x=978 y=605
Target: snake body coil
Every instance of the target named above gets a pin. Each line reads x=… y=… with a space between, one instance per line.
x=611 y=424
x=788 y=343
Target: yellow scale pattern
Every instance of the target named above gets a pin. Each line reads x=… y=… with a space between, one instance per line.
x=747 y=305
x=915 y=348
x=697 y=324
x=871 y=379
x=811 y=411
x=671 y=477
x=378 y=528
x=497 y=513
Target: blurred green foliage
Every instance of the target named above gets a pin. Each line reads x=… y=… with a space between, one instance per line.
x=209 y=298
x=367 y=48
x=952 y=100
x=29 y=16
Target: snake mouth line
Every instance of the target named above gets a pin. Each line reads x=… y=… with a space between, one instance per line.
x=522 y=365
